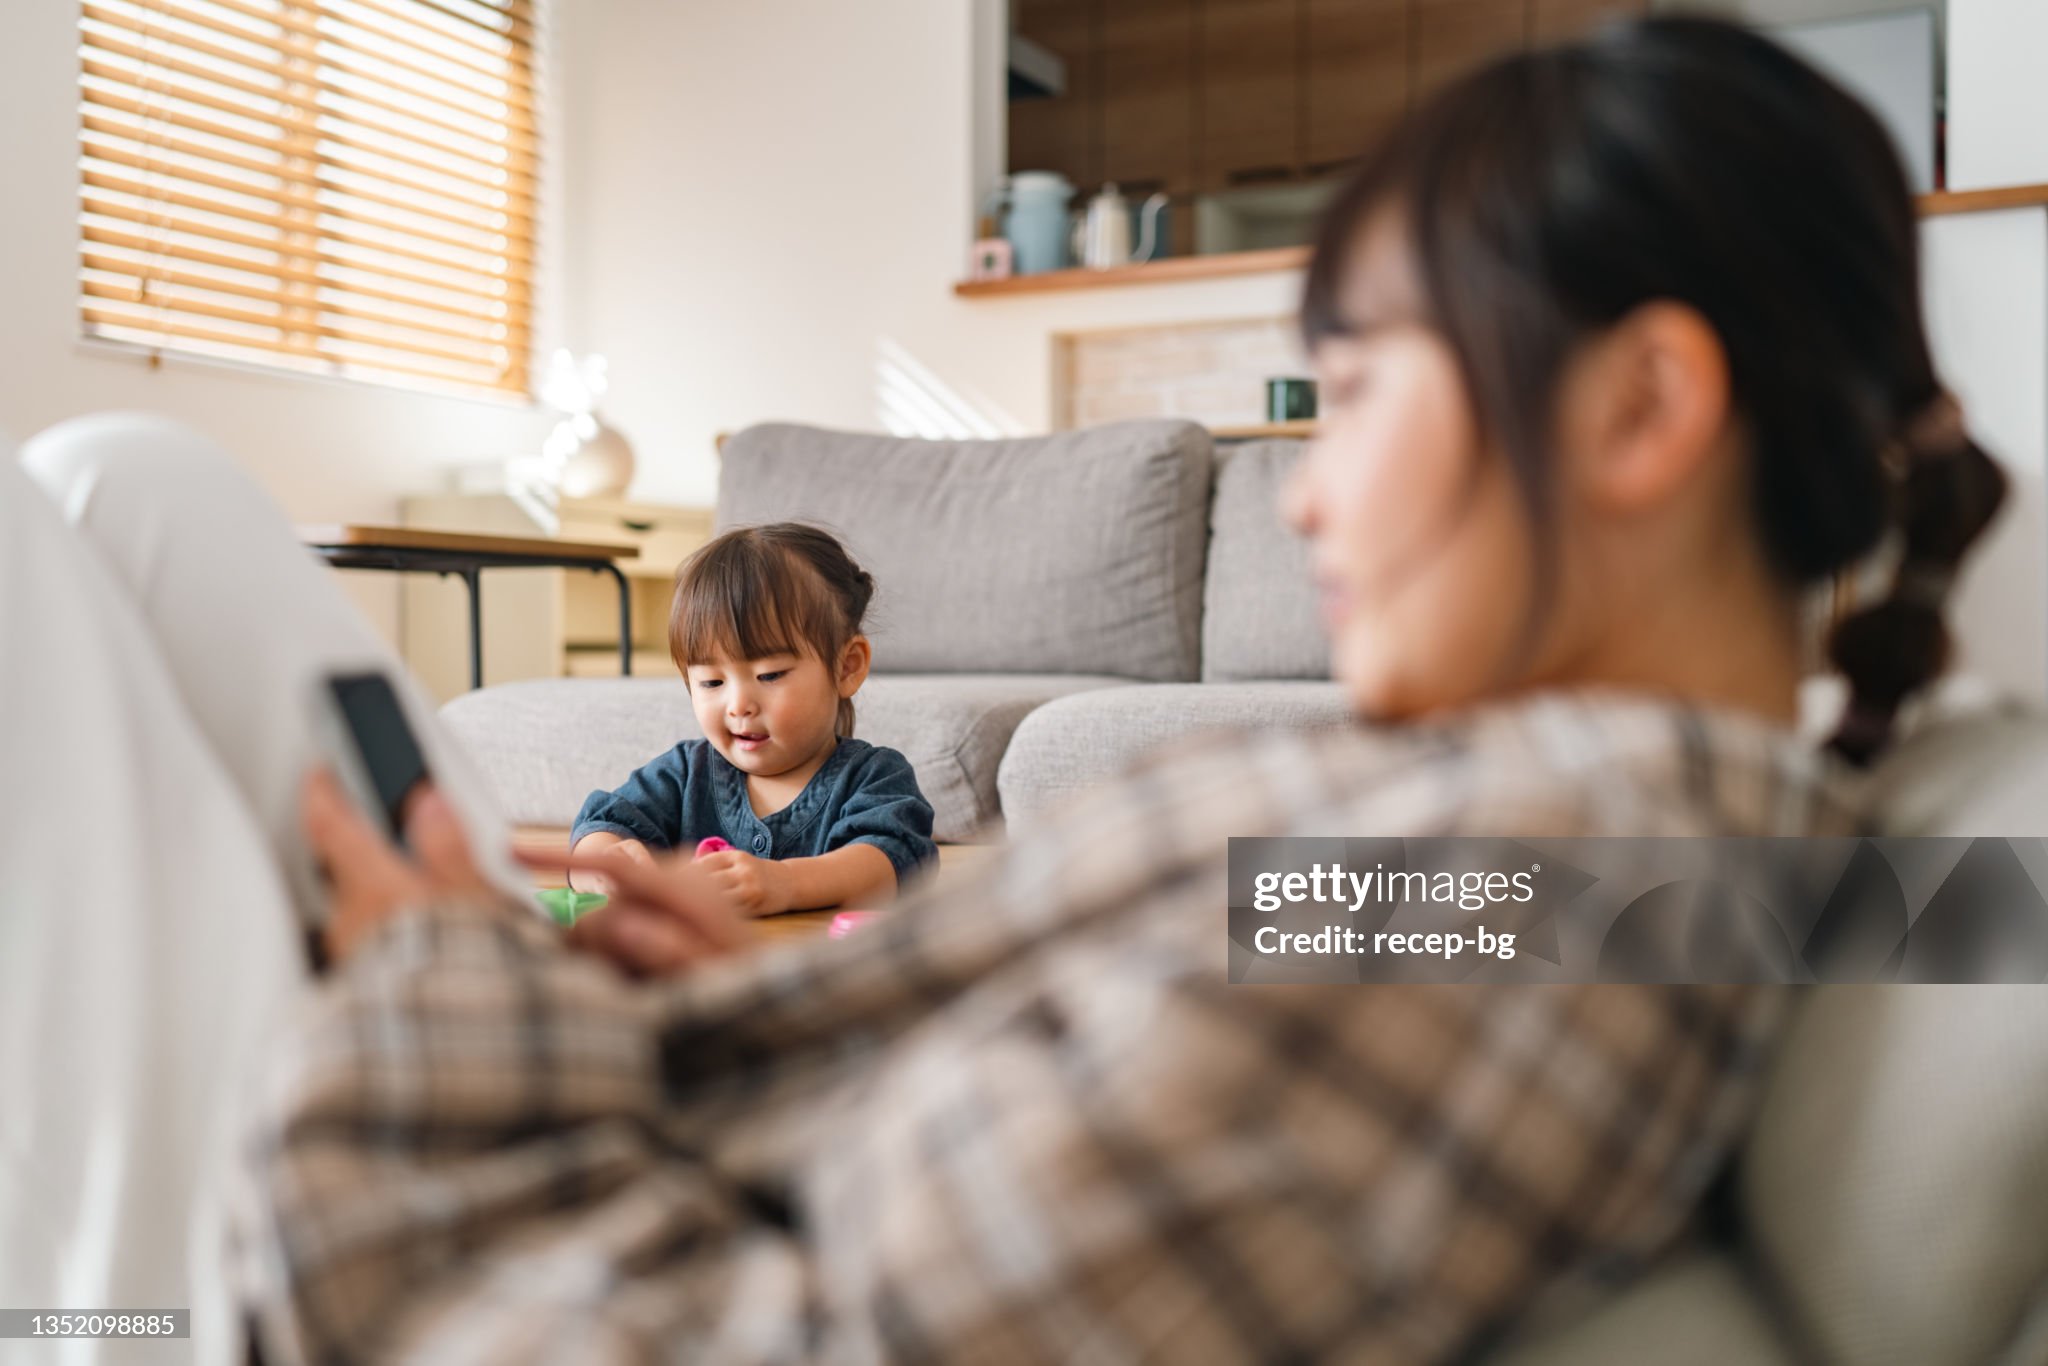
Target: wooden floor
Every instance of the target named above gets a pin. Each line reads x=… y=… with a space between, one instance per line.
x=957 y=862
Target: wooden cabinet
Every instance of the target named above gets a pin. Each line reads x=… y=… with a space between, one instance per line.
x=1147 y=72
x=1354 y=77
x=1198 y=96
x=1453 y=36
x=1061 y=132
x=1248 y=116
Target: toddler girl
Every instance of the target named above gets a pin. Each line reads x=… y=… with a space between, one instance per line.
x=766 y=627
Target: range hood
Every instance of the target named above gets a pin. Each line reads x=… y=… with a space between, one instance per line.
x=1036 y=72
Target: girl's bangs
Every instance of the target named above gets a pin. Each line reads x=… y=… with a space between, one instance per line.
x=741 y=600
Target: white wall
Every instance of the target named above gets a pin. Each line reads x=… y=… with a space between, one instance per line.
x=1997 y=101
x=1987 y=306
x=774 y=197
x=328 y=450
x=1987 y=300
x=1795 y=11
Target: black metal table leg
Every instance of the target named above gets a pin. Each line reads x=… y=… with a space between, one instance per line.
x=625 y=618
x=475 y=581
x=469 y=565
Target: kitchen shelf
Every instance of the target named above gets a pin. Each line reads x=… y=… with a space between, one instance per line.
x=1272 y=259
x=1979 y=201
x=1144 y=273
x=1265 y=431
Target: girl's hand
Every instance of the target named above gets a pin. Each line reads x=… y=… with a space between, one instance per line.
x=664 y=914
x=371 y=877
x=757 y=886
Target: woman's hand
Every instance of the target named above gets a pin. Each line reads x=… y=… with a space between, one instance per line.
x=604 y=842
x=372 y=878
x=664 y=914
x=757 y=886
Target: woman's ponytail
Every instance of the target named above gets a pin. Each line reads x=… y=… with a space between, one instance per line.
x=1947 y=492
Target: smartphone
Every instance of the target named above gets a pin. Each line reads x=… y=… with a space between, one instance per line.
x=371 y=748
x=367 y=743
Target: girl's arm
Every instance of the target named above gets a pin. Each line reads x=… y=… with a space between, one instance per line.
x=886 y=815
x=858 y=875
x=640 y=818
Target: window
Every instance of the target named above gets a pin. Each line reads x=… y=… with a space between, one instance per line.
x=336 y=186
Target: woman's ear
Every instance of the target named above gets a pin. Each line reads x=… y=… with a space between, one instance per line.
x=854 y=661
x=1646 y=407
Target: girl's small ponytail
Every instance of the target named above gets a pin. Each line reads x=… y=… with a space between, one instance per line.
x=856 y=589
x=1947 y=490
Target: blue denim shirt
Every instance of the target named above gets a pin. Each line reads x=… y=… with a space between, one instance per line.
x=862 y=794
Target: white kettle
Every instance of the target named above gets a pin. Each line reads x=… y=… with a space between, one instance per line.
x=1102 y=238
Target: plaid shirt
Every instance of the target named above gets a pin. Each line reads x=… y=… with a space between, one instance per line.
x=1029 y=1122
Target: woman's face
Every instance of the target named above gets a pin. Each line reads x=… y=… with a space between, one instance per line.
x=1422 y=546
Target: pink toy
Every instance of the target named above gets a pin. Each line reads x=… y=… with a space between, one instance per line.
x=710 y=844
x=846 y=922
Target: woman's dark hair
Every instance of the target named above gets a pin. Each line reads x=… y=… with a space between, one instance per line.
x=766 y=590
x=1545 y=197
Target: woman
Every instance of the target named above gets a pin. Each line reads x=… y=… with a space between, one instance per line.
x=1621 y=356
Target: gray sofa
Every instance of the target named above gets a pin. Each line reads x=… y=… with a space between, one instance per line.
x=1047 y=610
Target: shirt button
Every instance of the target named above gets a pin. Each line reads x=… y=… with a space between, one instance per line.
x=760 y=844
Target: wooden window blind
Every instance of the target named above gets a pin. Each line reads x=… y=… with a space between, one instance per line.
x=337 y=186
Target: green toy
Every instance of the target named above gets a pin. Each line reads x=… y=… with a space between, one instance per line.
x=567 y=905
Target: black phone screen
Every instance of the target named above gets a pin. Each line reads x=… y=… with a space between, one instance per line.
x=390 y=756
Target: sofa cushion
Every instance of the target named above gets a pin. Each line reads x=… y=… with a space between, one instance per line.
x=1072 y=554
x=545 y=745
x=1259 y=616
x=1698 y=1311
x=1894 y=1184
x=1076 y=742
x=1978 y=769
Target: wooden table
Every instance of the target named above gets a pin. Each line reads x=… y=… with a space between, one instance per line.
x=550 y=842
x=410 y=550
x=958 y=863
